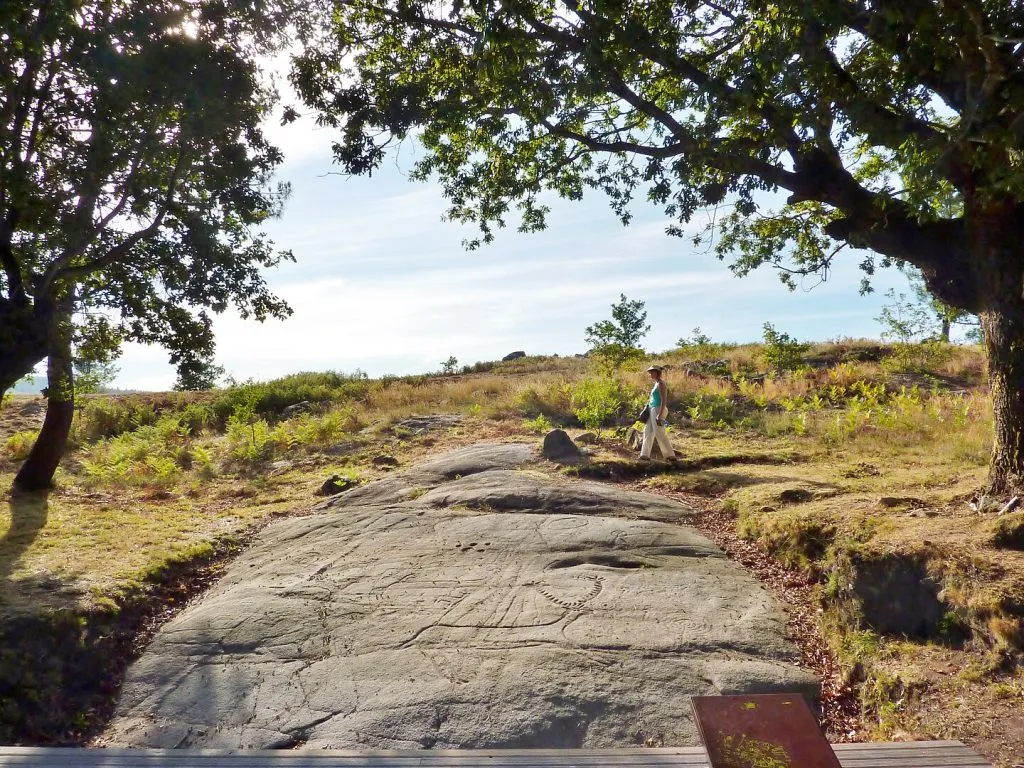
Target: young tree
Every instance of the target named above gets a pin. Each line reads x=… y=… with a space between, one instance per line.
x=920 y=316
x=858 y=109
x=133 y=179
x=616 y=342
x=197 y=375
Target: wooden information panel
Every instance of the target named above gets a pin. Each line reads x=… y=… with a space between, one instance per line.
x=762 y=731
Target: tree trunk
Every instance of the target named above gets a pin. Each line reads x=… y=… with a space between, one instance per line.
x=36 y=474
x=944 y=336
x=999 y=277
x=1004 y=340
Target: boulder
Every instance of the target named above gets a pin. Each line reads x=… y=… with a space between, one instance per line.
x=559 y=447
x=467 y=602
x=384 y=461
x=513 y=356
x=303 y=406
x=586 y=438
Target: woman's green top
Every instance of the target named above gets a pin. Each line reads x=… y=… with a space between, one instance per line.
x=655 y=401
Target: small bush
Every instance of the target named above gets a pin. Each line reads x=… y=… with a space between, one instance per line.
x=712 y=408
x=553 y=401
x=249 y=442
x=104 y=418
x=541 y=425
x=19 y=444
x=701 y=349
x=923 y=357
x=602 y=402
x=157 y=454
x=781 y=351
x=270 y=398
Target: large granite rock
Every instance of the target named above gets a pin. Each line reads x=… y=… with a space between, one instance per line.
x=462 y=603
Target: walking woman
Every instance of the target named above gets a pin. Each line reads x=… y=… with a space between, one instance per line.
x=654 y=429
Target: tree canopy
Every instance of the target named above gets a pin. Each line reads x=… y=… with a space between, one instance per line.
x=805 y=127
x=857 y=109
x=133 y=171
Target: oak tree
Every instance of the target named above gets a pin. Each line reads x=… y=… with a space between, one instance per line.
x=134 y=178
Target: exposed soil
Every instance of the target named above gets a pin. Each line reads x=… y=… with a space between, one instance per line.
x=21 y=413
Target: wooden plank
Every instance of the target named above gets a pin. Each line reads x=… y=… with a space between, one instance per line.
x=946 y=754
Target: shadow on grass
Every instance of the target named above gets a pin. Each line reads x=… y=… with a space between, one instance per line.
x=629 y=467
x=29 y=513
x=61 y=669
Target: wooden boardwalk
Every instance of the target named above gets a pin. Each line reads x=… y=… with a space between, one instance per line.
x=915 y=754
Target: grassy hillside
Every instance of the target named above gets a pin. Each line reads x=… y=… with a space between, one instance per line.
x=852 y=465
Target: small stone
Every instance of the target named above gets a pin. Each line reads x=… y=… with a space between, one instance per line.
x=795 y=495
x=334 y=485
x=559 y=447
x=891 y=502
x=384 y=462
x=586 y=438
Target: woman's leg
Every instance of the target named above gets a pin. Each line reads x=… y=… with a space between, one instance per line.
x=664 y=443
x=649 y=427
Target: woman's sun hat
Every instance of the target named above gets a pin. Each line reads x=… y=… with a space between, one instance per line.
x=654 y=368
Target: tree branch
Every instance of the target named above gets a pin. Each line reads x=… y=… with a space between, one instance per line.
x=119 y=251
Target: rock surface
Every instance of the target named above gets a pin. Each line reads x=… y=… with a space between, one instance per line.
x=513 y=356
x=469 y=601
x=419 y=425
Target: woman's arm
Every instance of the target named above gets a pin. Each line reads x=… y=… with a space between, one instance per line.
x=663 y=411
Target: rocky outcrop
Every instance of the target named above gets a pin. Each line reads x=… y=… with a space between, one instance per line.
x=513 y=356
x=470 y=601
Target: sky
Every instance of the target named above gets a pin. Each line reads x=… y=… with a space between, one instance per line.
x=383 y=285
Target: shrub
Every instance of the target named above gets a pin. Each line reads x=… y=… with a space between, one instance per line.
x=156 y=454
x=19 y=444
x=267 y=399
x=781 y=351
x=615 y=343
x=249 y=441
x=198 y=417
x=601 y=402
x=553 y=401
x=541 y=425
x=326 y=429
x=713 y=408
x=700 y=347
x=923 y=357
x=103 y=418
